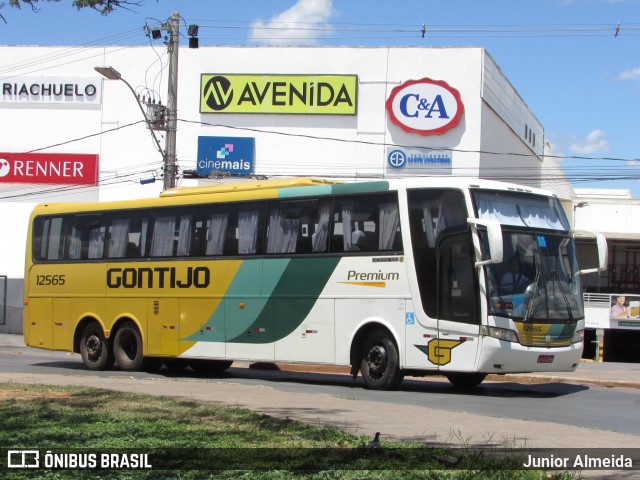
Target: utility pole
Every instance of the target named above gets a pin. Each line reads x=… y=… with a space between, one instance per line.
x=173 y=28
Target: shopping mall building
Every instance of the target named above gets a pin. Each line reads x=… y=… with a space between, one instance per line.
x=72 y=134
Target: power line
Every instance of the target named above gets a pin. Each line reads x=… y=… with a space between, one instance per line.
x=580 y=174
x=367 y=142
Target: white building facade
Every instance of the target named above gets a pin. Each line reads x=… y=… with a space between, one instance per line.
x=70 y=134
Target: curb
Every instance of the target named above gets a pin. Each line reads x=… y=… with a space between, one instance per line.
x=528 y=379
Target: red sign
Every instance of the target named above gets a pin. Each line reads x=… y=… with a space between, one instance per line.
x=425 y=106
x=58 y=168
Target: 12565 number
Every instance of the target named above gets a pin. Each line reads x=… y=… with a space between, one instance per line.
x=50 y=279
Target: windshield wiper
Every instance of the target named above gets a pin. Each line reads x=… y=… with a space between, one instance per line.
x=554 y=275
x=530 y=296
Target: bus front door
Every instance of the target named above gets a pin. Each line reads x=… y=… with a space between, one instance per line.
x=456 y=347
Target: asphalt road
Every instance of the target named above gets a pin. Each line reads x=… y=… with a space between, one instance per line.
x=553 y=415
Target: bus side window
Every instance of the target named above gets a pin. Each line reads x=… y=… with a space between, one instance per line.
x=175 y=234
x=85 y=238
x=321 y=225
x=282 y=233
x=298 y=226
x=366 y=224
x=49 y=238
x=232 y=230
x=127 y=234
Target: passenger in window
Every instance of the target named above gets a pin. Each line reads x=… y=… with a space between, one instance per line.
x=132 y=251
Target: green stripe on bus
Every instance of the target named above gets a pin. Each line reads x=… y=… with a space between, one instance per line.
x=250 y=314
x=315 y=191
x=291 y=301
x=364 y=187
x=336 y=189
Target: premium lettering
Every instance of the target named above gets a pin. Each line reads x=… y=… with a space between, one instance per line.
x=158 y=277
x=372 y=276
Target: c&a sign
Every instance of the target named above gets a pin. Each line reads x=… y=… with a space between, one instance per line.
x=425 y=106
x=56 y=168
x=290 y=94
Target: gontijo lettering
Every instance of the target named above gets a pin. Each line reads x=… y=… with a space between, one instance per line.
x=158 y=277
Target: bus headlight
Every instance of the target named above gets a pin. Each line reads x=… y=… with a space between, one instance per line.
x=578 y=336
x=501 y=334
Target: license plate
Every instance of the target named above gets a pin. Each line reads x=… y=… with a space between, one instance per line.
x=545 y=358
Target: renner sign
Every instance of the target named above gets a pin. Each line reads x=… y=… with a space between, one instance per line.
x=56 y=168
x=425 y=106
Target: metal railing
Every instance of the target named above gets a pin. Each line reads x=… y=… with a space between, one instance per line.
x=597 y=299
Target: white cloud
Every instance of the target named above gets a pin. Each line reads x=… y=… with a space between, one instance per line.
x=631 y=74
x=592 y=143
x=302 y=24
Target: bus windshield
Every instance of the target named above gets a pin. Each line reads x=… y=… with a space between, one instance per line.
x=538 y=279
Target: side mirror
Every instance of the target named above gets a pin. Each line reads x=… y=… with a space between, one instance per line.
x=494 y=238
x=603 y=255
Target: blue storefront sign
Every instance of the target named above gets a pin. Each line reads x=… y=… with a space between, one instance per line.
x=414 y=161
x=231 y=155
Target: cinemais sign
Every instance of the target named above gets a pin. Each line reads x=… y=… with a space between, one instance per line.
x=425 y=106
x=279 y=94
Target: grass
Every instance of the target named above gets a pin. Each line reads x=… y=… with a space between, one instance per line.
x=187 y=440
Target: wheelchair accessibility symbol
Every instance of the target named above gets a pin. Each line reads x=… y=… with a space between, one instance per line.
x=397 y=158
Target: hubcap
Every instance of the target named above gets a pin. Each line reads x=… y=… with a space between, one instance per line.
x=94 y=348
x=377 y=361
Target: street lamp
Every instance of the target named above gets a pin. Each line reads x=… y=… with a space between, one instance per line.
x=112 y=74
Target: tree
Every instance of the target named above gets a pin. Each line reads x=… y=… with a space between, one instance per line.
x=105 y=7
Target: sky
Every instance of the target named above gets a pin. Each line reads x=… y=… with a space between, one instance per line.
x=576 y=63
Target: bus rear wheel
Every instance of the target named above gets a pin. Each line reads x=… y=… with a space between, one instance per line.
x=466 y=380
x=127 y=348
x=95 y=349
x=380 y=365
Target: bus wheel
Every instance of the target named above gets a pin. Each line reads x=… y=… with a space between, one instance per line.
x=466 y=380
x=380 y=364
x=127 y=348
x=95 y=350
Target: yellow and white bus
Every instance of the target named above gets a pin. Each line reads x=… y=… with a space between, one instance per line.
x=392 y=278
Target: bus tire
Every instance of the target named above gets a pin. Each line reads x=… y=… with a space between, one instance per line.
x=380 y=365
x=96 y=351
x=127 y=348
x=466 y=380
